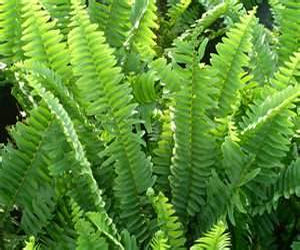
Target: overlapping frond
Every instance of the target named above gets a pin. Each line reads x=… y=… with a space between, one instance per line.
x=168 y=223
x=10 y=31
x=230 y=60
x=106 y=96
x=42 y=41
x=159 y=242
x=176 y=9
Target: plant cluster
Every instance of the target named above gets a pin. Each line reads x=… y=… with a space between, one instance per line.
x=151 y=124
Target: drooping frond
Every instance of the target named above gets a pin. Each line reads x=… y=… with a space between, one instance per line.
x=42 y=42
x=24 y=175
x=168 y=223
x=215 y=239
x=228 y=63
x=142 y=37
x=194 y=145
x=288 y=73
x=10 y=31
x=106 y=96
x=59 y=10
x=159 y=242
x=289 y=27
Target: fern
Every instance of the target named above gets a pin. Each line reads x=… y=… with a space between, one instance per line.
x=159 y=242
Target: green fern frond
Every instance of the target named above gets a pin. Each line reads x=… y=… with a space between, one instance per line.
x=289 y=27
x=118 y=23
x=24 y=174
x=263 y=59
x=141 y=37
x=176 y=9
x=215 y=239
x=228 y=63
x=88 y=238
x=167 y=221
x=59 y=10
x=194 y=145
x=163 y=154
x=99 y=12
x=42 y=42
x=30 y=245
x=159 y=242
x=288 y=74
x=11 y=31
x=110 y=101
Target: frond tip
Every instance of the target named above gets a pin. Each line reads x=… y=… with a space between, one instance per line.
x=215 y=239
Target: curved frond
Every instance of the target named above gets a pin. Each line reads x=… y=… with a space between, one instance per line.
x=159 y=242
x=176 y=9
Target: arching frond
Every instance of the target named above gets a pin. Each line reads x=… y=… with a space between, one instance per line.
x=159 y=242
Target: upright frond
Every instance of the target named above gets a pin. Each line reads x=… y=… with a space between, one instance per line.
x=229 y=62
x=10 y=31
x=42 y=41
x=105 y=95
x=168 y=223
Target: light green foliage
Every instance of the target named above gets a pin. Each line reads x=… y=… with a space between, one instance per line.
x=150 y=125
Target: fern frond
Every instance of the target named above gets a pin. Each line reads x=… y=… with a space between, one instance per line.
x=30 y=245
x=142 y=37
x=99 y=12
x=176 y=9
x=110 y=101
x=215 y=239
x=159 y=242
x=266 y=132
x=11 y=31
x=263 y=60
x=287 y=74
x=24 y=174
x=163 y=154
x=60 y=12
x=167 y=221
x=89 y=238
x=42 y=42
x=289 y=27
x=192 y=157
x=230 y=60
x=118 y=23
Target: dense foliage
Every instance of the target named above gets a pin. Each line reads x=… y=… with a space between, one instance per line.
x=151 y=124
